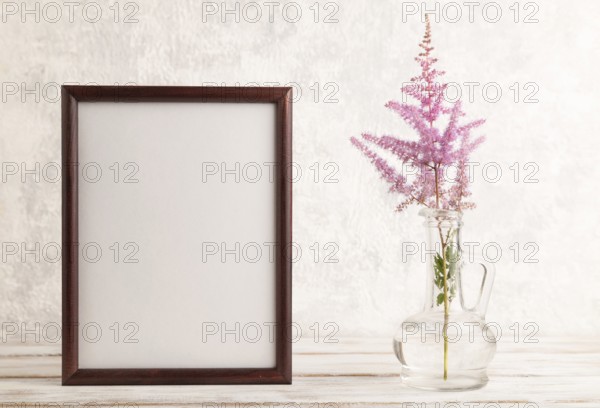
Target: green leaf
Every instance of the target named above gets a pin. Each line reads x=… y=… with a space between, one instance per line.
x=438 y=266
x=451 y=266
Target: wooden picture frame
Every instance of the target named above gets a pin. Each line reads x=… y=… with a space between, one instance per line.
x=161 y=130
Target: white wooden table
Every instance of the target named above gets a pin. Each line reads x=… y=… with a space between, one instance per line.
x=352 y=373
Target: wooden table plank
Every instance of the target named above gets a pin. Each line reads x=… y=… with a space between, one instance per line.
x=354 y=372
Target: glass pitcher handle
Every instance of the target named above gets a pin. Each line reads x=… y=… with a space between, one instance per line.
x=485 y=291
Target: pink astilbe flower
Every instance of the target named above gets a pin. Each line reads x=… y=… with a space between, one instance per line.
x=438 y=148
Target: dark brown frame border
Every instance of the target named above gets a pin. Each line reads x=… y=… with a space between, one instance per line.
x=71 y=373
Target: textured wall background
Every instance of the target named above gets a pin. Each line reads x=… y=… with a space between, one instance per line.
x=359 y=63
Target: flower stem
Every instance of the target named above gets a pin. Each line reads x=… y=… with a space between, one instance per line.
x=446 y=313
x=445 y=269
x=446 y=301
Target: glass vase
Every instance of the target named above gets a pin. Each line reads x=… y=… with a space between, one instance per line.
x=448 y=346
